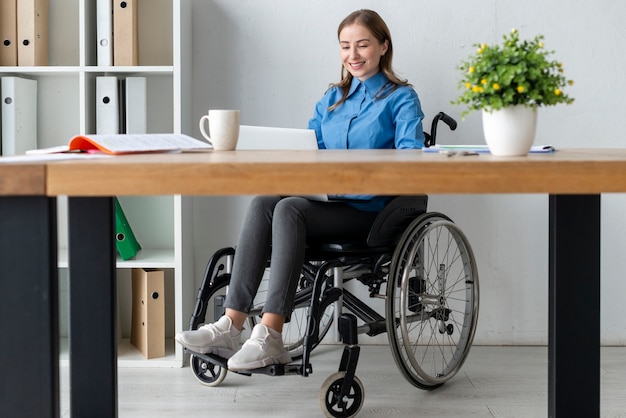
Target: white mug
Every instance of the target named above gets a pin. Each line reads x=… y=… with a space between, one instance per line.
x=224 y=128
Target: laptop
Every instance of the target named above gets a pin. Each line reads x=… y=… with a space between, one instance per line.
x=270 y=138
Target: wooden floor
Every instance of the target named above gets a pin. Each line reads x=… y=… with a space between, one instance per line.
x=494 y=382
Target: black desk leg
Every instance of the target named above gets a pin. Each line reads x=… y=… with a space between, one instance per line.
x=29 y=311
x=574 y=329
x=93 y=314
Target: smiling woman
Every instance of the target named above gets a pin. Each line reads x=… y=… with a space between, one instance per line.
x=365 y=49
x=370 y=108
x=360 y=53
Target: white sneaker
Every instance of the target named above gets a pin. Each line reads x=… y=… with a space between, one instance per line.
x=259 y=351
x=213 y=338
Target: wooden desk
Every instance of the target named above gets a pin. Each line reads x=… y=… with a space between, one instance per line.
x=22 y=179
x=29 y=352
x=356 y=171
x=574 y=179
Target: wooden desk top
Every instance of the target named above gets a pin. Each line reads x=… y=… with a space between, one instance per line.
x=22 y=179
x=339 y=171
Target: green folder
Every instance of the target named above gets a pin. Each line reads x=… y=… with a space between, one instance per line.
x=125 y=240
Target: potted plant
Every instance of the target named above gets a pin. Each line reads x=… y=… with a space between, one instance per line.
x=507 y=83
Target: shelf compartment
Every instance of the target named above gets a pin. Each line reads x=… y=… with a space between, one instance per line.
x=129 y=356
x=146 y=258
x=154 y=33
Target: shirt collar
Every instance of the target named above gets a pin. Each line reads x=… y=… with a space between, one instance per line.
x=372 y=85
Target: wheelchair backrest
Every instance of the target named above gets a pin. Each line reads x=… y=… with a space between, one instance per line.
x=394 y=219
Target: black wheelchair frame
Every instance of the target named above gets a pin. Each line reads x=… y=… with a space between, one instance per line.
x=419 y=262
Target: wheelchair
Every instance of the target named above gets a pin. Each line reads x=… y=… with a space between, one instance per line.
x=418 y=262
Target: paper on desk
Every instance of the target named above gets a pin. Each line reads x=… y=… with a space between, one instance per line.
x=483 y=148
x=128 y=144
x=49 y=157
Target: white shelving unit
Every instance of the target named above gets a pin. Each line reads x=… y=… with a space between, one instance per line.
x=66 y=107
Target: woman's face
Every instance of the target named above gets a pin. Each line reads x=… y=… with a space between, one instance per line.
x=360 y=51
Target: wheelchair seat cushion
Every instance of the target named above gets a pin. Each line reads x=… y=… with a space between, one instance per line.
x=385 y=232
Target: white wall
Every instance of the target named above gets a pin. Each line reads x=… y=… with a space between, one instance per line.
x=274 y=58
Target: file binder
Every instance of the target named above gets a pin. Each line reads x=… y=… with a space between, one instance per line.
x=32 y=32
x=107 y=105
x=125 y=32
x=125 y=240
x=19 y=115
x=104 y=32
x=135 y=104
x=148 y=312
x=8 y=32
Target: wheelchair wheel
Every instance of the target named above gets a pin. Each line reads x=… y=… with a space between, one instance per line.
x=208 y=374
x=432 y=301
x=329 y=396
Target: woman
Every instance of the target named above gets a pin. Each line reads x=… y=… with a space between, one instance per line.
x=369 y=108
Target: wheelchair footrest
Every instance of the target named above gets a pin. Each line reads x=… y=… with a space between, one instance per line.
x=278 y=370
x=208 y=357
x=271 y=370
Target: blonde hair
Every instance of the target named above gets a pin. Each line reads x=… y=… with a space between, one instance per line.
x=375 y=24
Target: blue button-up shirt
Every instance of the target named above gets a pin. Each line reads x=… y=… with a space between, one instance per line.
x=371 y=117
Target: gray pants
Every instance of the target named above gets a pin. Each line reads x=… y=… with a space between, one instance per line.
x=281 y=226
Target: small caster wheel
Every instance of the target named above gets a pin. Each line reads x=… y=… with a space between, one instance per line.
x=329 y=396
x=208 y=374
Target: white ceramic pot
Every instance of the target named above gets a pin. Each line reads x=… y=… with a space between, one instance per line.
x=510 y=131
